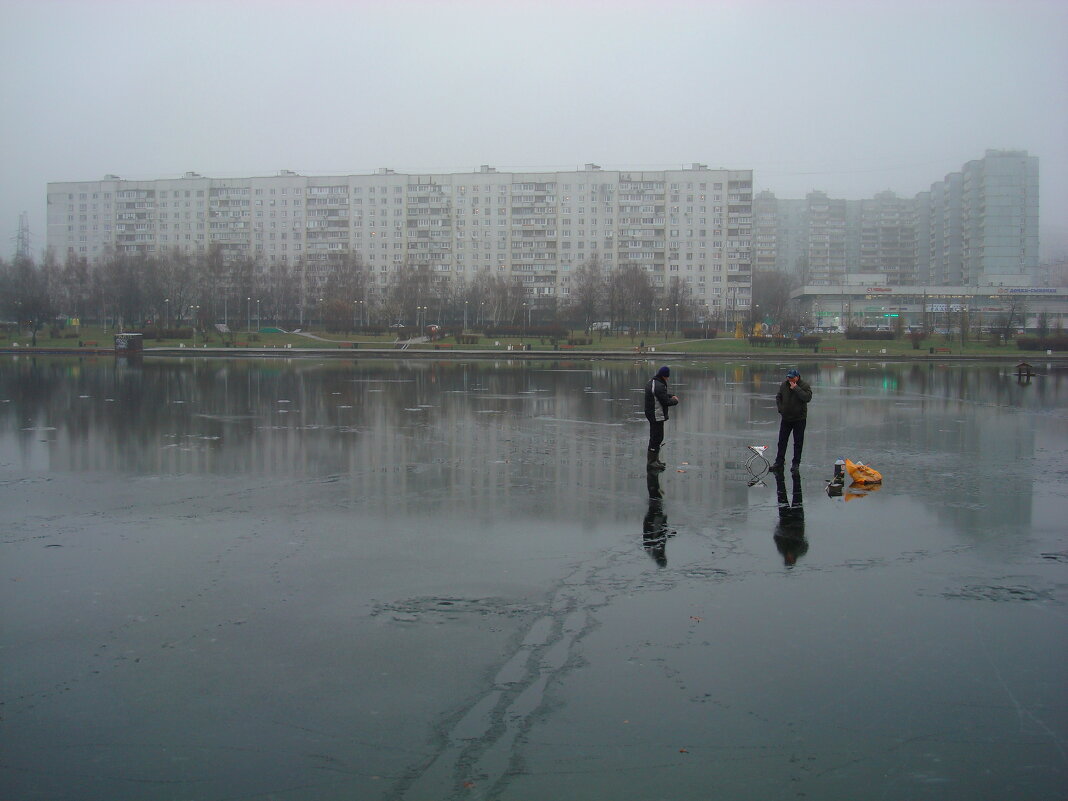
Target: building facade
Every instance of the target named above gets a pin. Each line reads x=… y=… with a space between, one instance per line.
x=869 y=301
x=975 y=227
x=887 y=241
x=692 y=224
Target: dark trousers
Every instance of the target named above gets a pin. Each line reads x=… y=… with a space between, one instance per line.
x=656 y=434
x=797 y=427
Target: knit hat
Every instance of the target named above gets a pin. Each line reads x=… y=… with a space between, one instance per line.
x=664 y=371
x=793 y=374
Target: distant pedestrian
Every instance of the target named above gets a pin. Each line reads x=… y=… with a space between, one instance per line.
x=792 y=401
x=657 y=401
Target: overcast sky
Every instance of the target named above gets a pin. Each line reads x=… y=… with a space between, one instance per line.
x=848 y=97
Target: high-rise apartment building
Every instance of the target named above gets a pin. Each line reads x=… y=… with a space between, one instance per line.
x=939 y=216
x=766 y=233
x=976 y=227
x=999 y=225
x=694 y=225
x=831 y=242
x=888 y=238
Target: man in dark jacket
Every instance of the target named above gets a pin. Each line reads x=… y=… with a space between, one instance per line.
x=657 y=401
x=792 y=401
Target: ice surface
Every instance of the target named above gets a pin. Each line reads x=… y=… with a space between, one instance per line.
x=206 y=600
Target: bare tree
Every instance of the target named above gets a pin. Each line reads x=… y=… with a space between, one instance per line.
x=588 y=292
x=498 y=299
x=52 y=275
x=282 y=293
x=347 y=278
x=76 y=284
x=631 y=294
x=409 y=290
x=24 y=294
x=211 y=284
x=122 y=282
x=176 y=280
x=771 y=291
x=1014 y=318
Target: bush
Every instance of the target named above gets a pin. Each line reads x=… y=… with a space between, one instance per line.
x=868 y=334
x=809 y=340
x=166 y=333
x=580 y=340
x=699 y=333
x=467 y=339
x=1058 y=342
x=496 y=332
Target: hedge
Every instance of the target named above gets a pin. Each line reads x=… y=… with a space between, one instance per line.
x=699 y=333
x=1059 y=342
x=865 y=333
x=500 y=331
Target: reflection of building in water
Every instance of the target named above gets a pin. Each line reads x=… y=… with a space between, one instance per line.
x=567 y=436
x=938 y=418
x=718 y=416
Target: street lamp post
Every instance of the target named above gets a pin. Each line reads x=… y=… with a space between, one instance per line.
x=258 y=321
x=465 y=316
x=248 y=314
x=194 y=313
x=676 y=319
x=226 y=314
x=166 y=312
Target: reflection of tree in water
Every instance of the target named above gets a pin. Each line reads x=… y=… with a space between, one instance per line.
x=423 y=432
x=939 y=416
x=790 y=530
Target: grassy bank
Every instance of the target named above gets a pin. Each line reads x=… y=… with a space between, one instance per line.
x=92 y=338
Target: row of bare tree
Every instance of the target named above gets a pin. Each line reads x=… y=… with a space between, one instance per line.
x=177 y=288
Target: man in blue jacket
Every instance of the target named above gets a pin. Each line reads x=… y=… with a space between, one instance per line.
x=792 y=401
x=657 y=401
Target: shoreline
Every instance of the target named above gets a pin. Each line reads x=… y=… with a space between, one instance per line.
x=533 y=355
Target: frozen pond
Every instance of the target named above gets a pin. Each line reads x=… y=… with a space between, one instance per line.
x=325 y=579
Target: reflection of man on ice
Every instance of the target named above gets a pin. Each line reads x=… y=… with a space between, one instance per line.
x=790 y=530
x=657 y=401
x=655 y=530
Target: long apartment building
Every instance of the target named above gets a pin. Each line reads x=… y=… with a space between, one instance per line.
x=692 y=224
x=978 y=226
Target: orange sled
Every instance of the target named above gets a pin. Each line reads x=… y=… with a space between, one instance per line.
x=862 y=474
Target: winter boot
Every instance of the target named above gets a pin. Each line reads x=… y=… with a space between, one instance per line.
x=654 y=462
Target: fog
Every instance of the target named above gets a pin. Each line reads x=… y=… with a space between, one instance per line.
x=848 y=98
